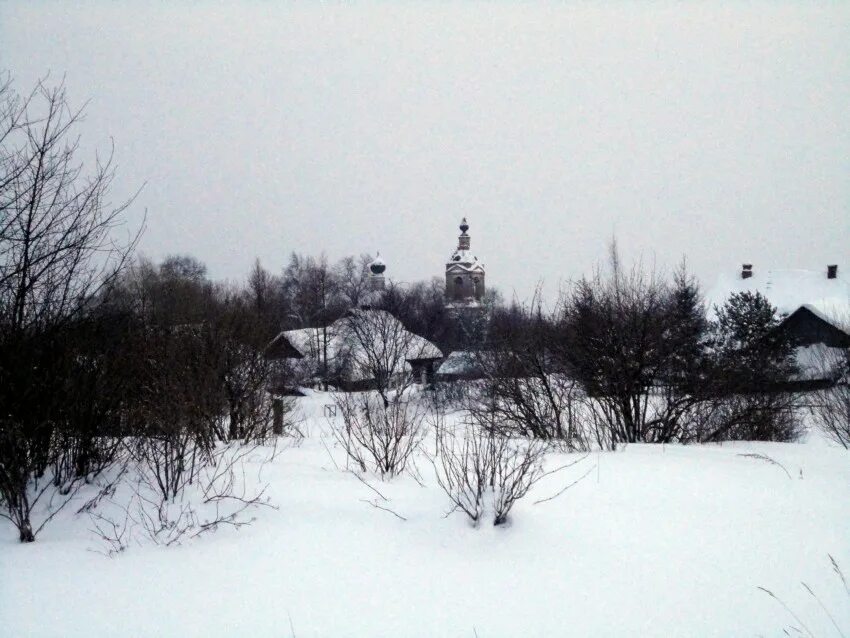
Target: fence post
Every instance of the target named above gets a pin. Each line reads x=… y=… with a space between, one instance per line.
x=277 y=410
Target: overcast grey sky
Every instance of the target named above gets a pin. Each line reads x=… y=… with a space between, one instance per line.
x=720 y=131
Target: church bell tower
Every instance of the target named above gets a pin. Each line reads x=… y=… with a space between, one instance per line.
x=464 y=274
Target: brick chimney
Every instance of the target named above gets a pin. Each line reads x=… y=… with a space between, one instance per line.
x=832 y=271
x=746 y=271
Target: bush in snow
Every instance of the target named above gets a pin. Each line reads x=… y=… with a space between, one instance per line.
x=380 y=433
x=525 y=391
x=615 y=338
x=143 y=504
x=380 y=430
x=485 y=473
x=831 y=409
x=831 y=406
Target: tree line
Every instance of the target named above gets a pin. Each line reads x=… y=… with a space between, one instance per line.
x=628 y=355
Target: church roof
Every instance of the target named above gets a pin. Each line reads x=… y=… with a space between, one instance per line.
x=459 y=266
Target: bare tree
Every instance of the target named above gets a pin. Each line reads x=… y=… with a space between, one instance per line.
x=313 y=295
x=58 y=249
x=381 y=428
x=527 y=390
x=353 y=277
x=379 y=347
x=421 y=306
x=615 y=327
x=58 y=257
x=242 y=334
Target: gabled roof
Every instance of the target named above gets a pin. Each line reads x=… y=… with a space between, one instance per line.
x=807 y=326
x=282 y=348
x=345 y=341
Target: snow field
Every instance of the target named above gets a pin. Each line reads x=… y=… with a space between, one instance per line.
x=655 y=541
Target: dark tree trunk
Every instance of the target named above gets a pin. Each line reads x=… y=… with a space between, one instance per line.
x=26 y=535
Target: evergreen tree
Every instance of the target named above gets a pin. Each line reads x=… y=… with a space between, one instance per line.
x=686 y=336
x=754 y=354
x=754 y=363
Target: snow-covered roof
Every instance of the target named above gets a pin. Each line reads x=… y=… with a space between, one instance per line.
x=788 y=290
x=458 y=362
x=346 y=339
x=465 y=363
x=464 y=258
x=458 y=268
x=309 y=341
x=415 y=347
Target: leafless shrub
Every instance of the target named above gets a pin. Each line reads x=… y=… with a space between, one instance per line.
x=179 y=408
x=600 y=418
x=830 y=406
x=25 y=494
x=136 y=509
x=485 y=473
x=452 y=395
x=168 y=461
x=832 y=413
x=525 y=390
x=534 y=403
x=59 y=254
x=752 y=416
x=379 y=434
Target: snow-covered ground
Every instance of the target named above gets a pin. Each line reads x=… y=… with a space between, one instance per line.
x=655 y=541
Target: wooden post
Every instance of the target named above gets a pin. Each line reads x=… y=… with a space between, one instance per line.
x=277 y=410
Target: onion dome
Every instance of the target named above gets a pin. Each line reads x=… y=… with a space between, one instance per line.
x=464 y=226
x=377 y=267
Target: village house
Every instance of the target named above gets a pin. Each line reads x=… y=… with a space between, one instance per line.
x=360 y=350
x=816 y=310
